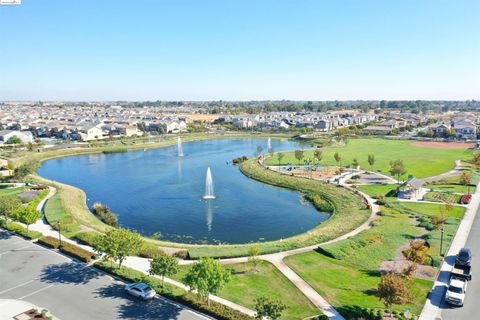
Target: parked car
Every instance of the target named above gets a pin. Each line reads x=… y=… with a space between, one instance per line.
x=140 y=290
x=456 y=290
x=464 y=257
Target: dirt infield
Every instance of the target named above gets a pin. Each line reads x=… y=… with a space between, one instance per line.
x=442 y=145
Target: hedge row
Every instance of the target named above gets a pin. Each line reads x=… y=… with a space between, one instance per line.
x=19 y=229
x=68 y=248
x=216 y=310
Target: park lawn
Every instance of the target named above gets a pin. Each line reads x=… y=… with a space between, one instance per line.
x=347 y=286
x=375 y=190
x=247 y=285
x=419 y=161
x=377 y=244
x=55 y=213
x=12 y=191
x=457 y=188
x=428 y=209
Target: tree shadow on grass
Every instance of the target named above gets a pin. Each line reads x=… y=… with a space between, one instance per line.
x=69 y=272
x=135 y=308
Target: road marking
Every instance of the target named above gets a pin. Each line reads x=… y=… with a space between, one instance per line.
x=20 y=285
x=35 y=292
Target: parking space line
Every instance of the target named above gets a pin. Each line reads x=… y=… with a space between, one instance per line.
x=18 y=286
x=35 y=292
x=13 y=250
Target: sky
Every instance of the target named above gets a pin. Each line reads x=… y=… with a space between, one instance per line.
x=240 y=50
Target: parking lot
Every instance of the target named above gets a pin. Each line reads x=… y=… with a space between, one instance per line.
x=73 y=290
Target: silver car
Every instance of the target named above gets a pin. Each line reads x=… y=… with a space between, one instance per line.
x=140 y=290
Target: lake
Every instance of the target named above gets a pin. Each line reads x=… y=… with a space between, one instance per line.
x=160 y=194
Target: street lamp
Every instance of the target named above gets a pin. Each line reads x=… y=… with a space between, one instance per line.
x=59 y=233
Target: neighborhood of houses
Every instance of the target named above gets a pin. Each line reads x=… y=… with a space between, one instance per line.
x=74 y=122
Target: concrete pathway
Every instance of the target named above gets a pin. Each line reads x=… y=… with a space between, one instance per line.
x=432 y=310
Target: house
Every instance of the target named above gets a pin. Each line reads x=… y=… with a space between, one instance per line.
x=441 y=130
x=25 y=136
x=90 y=132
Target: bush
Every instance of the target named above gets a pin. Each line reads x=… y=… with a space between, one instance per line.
x=355 y=177
x=20 y=230
x=105 y=214
x=466 y=198
x=182 y=254
x=68 y=248
x=150 y=251
x=216 y=310
x=88 y=238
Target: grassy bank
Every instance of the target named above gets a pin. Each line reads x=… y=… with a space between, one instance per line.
x=419 y=161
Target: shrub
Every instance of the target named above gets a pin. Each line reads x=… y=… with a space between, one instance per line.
x=68 y=248
x=87 y=238
x=466 y=198
x=150 y=251
x=355 y=177
x=381 y=200
x=20 y=230
x=105 y=214
x=182 y=254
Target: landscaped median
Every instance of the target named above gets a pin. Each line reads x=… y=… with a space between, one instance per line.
x=68 y=248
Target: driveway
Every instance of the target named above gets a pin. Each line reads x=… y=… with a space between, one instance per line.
x=470 y=308
x=72 y=290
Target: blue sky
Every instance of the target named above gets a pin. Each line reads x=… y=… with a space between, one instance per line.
x=240 y=50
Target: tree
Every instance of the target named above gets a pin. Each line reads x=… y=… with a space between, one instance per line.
x=267 y=308
x=418 y=251
x=397 y=168
x=299 y=155
x=429 y=133
x=8 y=205
x=466 y=179
x=371 y=161
x=280 y=157
x=476 y=159
x=253 y=253
x=117 y=244
x=25 y=169
x=27 y=215
x=355 y=163
x=393 y=289
x=14 y=140
x=318 y=154
x=338 y=158
x=207 y=277
x=163 y=265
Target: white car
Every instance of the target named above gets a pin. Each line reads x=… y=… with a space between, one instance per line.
x=456 y=291
x=140 y=290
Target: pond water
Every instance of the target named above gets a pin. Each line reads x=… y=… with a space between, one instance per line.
x=160 y=194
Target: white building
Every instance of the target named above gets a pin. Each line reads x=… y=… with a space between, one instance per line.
x=25 y=136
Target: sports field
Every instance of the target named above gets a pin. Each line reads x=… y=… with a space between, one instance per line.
x=420 y=160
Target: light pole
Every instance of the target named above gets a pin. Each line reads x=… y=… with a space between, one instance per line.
x=59 y=234
x=441 y=241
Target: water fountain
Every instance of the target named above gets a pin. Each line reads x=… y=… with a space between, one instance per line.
x=209 y=194
x=269 y=145
x=179 y=147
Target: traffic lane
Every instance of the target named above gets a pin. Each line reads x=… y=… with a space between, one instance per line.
x=469 y=309
x=73 y=290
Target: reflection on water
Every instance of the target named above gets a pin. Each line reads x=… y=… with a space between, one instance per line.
x=208 y=206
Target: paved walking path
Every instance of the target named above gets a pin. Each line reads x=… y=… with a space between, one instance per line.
x=431 y=310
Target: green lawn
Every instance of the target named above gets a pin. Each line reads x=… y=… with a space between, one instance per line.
x=247 y=285
x=55 y=213
x=12 y=191
x=428 y=209
x=450 y=188
x=345 y=285
x=379 y=243
x=375 y=190
x=419 y=161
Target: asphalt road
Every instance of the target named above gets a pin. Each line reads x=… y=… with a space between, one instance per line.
x=469 y=310
x=71 y=290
